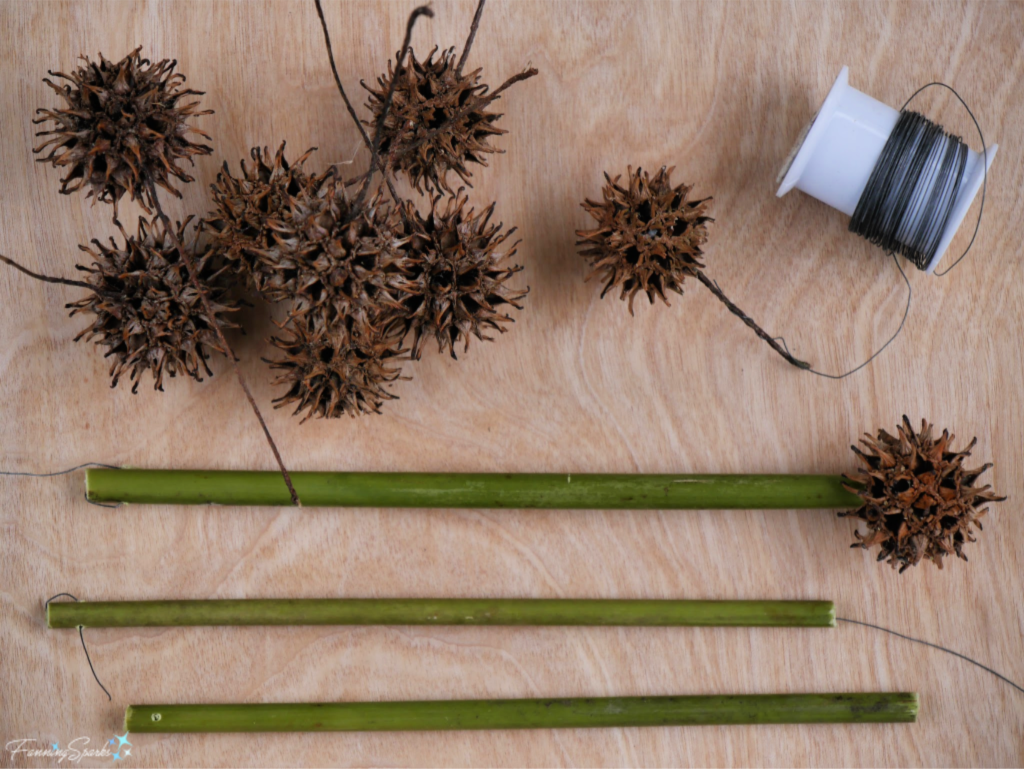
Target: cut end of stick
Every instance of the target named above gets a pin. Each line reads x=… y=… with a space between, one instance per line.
x=90 y=495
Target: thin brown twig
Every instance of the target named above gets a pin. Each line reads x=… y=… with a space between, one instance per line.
x=194 y=279
x=422 y=10
x=374 y=162
x=472 y=35
x=714 y=289
x=46 y=278
x=526 y=74
x=337 y=78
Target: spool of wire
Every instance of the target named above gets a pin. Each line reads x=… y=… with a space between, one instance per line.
x=905 y=182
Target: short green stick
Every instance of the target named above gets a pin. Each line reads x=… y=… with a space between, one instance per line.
x=433 y=611
x=470 y=490
x=572 y=713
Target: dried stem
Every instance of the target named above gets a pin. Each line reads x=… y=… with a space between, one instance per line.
x=422 y=10
x=46 y=278
x=526 y=74
x=472 y=36
x=714 y=289
x=355 y=118
x=374 y=160
x=193 y=273
x=337 y=78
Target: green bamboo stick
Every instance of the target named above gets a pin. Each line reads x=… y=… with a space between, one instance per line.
x=526 y=714
x=473 y=490
x=432 y=611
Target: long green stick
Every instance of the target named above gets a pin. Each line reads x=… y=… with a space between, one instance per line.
x=432 y=611
x=526 y=714
x=481 y=490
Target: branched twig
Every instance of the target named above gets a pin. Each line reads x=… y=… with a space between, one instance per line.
x=46 y=278
x=472 y=35
x=714 y=289
x=194 y=279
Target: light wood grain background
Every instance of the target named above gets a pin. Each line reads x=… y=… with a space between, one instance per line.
x=719 y=90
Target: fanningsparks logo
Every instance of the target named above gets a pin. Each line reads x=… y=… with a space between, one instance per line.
x=117 y=748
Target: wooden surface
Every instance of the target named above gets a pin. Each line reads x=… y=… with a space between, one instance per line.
x=720 y=90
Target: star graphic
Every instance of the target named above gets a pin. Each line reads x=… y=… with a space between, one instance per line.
x=121 y=741
x=127 y=751
x=110 y=741
x=55 y=745
x=117 y=756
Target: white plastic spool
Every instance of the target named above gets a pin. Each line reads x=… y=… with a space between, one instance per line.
x=835 y=157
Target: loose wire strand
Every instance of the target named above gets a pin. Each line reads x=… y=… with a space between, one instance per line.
x=65 y=472
x=1000 y=676
x=60 y=472
x=81 y=635
x=880 y=350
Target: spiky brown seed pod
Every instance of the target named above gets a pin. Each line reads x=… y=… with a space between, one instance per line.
x=920 y=502
x=460 y=275
x=648 y=236
x=146 y=311
x=247 y=207
x=334 y=370
x=333 y=260
x=124 y=123
x=438 y=121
